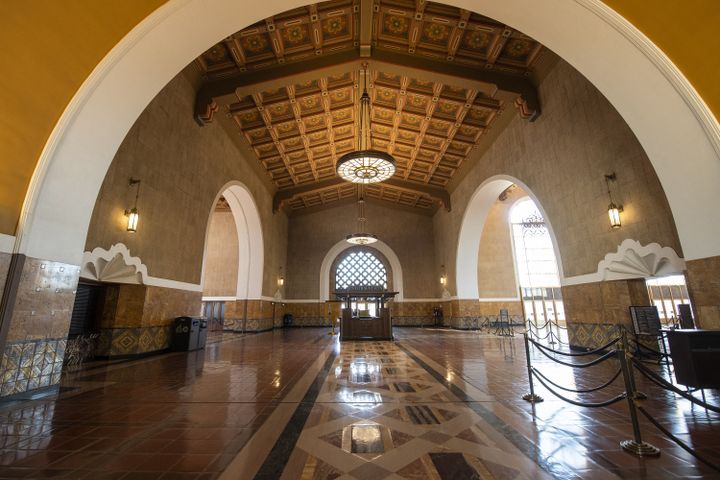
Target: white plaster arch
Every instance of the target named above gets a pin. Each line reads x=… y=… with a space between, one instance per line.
x=251 y=249
x=675 y=127
x=471 y=228
x=340 y=247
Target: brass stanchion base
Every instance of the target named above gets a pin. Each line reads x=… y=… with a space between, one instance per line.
x=641 y=449
x=532 y=398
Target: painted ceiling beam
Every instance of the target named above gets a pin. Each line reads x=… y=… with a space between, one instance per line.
x=275 y=77
x=439 y=194
x=366 y=24
x=352 y=201
x=484 y=80
x=415 y=66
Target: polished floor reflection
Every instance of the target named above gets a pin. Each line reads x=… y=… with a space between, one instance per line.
x=294 y=403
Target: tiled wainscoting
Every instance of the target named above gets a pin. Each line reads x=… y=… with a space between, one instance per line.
x=31 y=364
x=318 y=314
x=38 y=324
x=590 y=335
x=471 y=314
x=133 y=341
x=413 y=314
x=252 y=315
x=137 y=319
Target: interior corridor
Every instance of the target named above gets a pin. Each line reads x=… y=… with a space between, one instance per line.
x=296 y=403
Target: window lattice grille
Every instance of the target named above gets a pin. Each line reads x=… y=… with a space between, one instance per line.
x=360 y=270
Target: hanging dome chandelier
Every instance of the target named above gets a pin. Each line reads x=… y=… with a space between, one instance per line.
x=362 y=237
x=365 y=165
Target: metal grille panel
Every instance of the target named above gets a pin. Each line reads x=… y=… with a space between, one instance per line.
x=360 y=270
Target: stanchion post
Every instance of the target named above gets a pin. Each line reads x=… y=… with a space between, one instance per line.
x=530 y=397
x=332 y=323
x=636 y=445
x=631 y=372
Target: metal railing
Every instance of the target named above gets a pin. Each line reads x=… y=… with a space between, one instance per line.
x=619 y=349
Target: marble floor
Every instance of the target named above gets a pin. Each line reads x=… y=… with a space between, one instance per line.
x=434 y=404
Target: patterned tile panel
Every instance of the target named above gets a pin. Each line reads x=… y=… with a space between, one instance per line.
x=133 y=341
x=30 y=365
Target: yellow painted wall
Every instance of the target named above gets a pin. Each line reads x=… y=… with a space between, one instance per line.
x=49 y=47
x=687 y=31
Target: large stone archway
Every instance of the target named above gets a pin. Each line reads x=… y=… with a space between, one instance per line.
x=471 y=229
x=251 y=252
x=589 y=35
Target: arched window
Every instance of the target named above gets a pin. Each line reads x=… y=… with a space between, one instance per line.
x=534 y=253
x=536 y=263
x=362 y=270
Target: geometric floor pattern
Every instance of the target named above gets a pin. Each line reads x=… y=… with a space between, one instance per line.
x=434 y=404
x=380 y=415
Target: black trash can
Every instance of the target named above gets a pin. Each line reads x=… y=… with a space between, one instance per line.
x=287 y=319
x=186 y=333
x=202 y=335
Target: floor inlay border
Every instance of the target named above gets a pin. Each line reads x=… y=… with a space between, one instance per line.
x=278 y=457
x=525 y=446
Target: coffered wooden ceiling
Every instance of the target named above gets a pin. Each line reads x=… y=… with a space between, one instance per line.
x=438 y=78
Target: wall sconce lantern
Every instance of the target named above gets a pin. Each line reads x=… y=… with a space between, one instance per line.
x=132 y=213
x=613 y=210
x=281 y=279
x=443 y=276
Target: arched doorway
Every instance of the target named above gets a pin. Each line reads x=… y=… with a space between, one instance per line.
x=471 y=230
x=233 y=260
x=250 y=247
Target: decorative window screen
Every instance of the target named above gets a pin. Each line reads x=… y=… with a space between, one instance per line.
x=534 y=253
x=361 y=270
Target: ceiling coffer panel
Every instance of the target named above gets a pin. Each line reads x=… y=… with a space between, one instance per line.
x=299 y=82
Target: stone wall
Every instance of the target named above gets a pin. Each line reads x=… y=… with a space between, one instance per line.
x=595 y=311
x=137 y=319
x=312 y=314
x=36 y=335
x=253 y=315
x=496 y=265
x=562 y=157
x=474 y=314
x=703 y=281
x=182 y=167
x=221 y=256
x=413 y=314
x=408 y=234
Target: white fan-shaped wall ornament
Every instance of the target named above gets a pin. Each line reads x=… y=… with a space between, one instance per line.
x=115 y=265
x=633 y=260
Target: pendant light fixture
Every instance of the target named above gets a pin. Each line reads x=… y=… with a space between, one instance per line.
x=132 y=213
x=613 y=210
x=362 y=237
x=365 y=165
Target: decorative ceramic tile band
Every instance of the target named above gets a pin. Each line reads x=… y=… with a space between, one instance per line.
x=413 y=321
x=476 y=323
x=81 y=348
x=314 y=321
x=31 y=364
x=584 y=336
x=250 y=325
x=133 y=341
x=590 y=335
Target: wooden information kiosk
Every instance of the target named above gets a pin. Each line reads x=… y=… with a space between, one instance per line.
x=359 y=324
